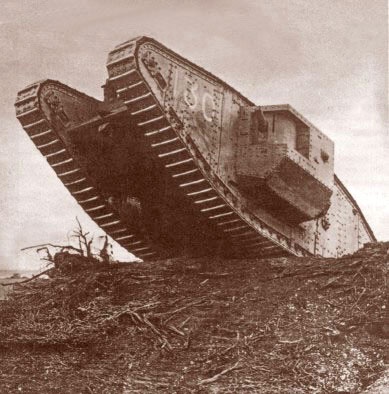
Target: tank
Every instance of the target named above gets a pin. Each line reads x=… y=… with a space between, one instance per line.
x=176 y=162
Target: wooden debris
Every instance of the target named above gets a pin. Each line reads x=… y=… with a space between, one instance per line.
x=322 y=326
x=220 y=374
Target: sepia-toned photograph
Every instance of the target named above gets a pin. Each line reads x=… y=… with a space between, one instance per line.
x=194 y=196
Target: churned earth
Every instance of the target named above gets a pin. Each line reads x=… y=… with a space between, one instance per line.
x=205 y=325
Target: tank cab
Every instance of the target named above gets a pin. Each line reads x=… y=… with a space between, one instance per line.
x=285 y=164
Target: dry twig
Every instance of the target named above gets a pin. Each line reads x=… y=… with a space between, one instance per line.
x=217 y=376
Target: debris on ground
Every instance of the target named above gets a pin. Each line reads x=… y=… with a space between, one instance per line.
x=204 y=325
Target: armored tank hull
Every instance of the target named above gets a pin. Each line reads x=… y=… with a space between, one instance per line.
x=174 y=161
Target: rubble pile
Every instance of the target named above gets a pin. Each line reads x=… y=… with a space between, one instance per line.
x=205 y=325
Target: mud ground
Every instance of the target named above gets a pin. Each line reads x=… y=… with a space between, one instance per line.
x=204 y=325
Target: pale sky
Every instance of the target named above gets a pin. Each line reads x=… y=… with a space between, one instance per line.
x=327 y=58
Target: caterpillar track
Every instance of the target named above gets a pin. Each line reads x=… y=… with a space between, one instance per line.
x=174 y=161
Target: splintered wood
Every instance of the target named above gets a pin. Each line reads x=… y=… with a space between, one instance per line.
x=276 y=325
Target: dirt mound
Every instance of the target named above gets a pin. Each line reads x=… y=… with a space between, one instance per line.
x=206 y=325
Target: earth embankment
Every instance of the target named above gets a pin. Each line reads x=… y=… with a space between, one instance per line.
x=206 y=325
